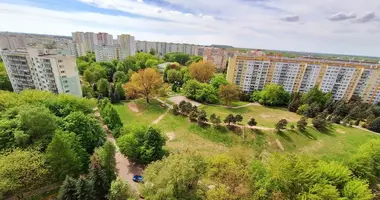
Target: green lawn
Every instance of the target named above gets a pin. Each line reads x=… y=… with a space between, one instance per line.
x=146 y=114
x=337 y=144
x=265 y=116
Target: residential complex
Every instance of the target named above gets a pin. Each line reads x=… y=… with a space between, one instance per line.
x=127 y=45
x=343 y=79
x=43 y=70
x=106 y=53
x=162 y=48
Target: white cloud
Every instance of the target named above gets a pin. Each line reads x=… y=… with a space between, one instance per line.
x=255 y=24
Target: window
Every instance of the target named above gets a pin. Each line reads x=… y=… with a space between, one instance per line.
x=65 y=81
x=59 y=61
x=61 y=66
x=67 y=91
x=64 y=76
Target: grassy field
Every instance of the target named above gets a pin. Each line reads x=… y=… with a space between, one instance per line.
x=265 y=116
x=184 y=135
x=145 y=115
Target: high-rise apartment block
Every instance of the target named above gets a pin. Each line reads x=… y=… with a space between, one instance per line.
x=43 y=70
x=215 y=55
x=106 y=53
x=162 y=48
x=127 y=45
x=342 y=79
x=12 y=41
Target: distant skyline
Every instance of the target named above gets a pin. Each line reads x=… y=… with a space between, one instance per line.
x=324 y=26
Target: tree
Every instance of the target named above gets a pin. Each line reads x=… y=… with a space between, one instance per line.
x=22 y=170
x=232 y=173
x=228 y=93
x=84 y=189
x=229 y=119
x=218 y=80
x=301 y=124
x=143 y=145
x=252 y=122
x=215 y=120
x=295 y=102
x=320 y=123
x=120 y=91
x=168 y=181
x=120 y=190
x=174 y=76
x=39 y=123
x=119 y=77
x=314 y=95
x=281 y=124
x=5 y=83
x=202 y=117
x=202 y=71
x=375 y=125
x=106 y=155
x=178 y=57
x=114 y=96
x=152 y=52
x=190 y=88
x=88 y=129
x=66 y=156
x=272 y=95
x=89 y=77
x=357 y=189
x=238 y=118
x=193 y=115
x=321 y=191
x=110 y=116
x=146 y=83
x=98 y=177
x=103 y=87
x=151 y=63
x=207 y=93
x=175 y=109
x=67 y=190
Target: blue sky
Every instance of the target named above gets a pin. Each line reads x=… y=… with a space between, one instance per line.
x=331 y=26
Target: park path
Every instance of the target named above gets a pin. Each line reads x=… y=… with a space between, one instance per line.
x=242 y=106
x=124 y=168
x=161 y=117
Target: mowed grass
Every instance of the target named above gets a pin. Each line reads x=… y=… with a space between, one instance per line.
x=265 y=116
x=336 y=144
x=146 y=114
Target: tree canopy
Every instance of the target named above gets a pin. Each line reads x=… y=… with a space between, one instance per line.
x=272 y=95
x=202 y=71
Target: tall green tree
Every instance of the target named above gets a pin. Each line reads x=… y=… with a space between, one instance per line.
x=66 y=156
x=98 y=177
x=84 y=189
x=272 y=95
x=106 y=155
x=218 y=80
x=168 y=181
x=120 y=77
x=120 y=190
x=39 y=123
x=68 y=190
x=5 y=83
x=103 y=87
x=357 y=189
x=21 y=171
x=143 y=145
x=87 y=128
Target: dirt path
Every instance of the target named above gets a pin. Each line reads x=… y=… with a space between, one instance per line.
x=125 y=169
x=246 y=105
x=160 y=117
x=364 y=129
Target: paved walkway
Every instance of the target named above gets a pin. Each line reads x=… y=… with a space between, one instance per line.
x=124 y=168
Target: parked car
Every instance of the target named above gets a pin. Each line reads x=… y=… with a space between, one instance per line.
x=138 y=178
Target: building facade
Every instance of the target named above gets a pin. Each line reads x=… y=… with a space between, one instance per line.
x=127 y=45
x=43 y=70
x=106 y=53
x=162 y=48
x=215 y=55
x=342 y=79
x=12 y=41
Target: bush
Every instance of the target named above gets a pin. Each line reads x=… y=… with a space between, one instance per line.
x=281 y=124
x=301 y=124
x=252 y=122
x=375 y=125
x=320 y=123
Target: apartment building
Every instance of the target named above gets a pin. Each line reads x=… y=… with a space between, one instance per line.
x=215 y=55
x=106 y=53
x=43 y=70
x=12 y=41
x=342 y=79
x=127 y=45
x=163 y=48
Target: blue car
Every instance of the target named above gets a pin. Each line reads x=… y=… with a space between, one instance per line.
x=138 y=178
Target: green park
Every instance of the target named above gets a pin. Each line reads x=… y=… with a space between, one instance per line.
x=184 y=132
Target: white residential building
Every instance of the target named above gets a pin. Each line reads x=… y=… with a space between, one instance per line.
x=127 y=45
x=163 y=48
x=106 y=53
x=12 y=41
x=43 y=70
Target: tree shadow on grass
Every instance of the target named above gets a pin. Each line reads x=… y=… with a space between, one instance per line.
x=284 y=135
x=307 y=134
x=237 y=130
x=257 y=131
